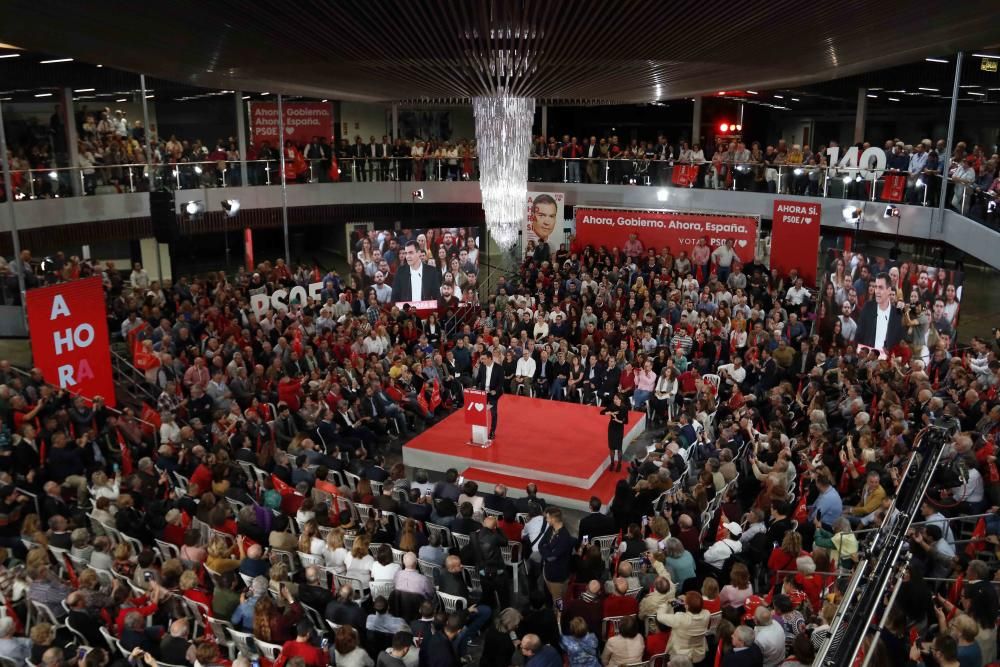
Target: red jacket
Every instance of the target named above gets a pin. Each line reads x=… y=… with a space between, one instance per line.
x=620 y=605
x=314 y=657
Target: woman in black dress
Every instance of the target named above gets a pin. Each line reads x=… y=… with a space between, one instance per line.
x=618 y=411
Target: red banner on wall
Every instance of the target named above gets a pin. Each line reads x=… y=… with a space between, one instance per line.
x=795 y=238
x=658 y=229
x=303 y=121
x=893 y=187
x=69 y=337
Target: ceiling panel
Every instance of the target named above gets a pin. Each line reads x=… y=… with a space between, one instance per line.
x=601 y=51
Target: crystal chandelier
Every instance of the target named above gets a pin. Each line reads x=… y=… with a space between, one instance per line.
x=503 y=136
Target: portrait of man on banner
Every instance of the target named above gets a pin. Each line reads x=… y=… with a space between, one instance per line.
x=544 y=223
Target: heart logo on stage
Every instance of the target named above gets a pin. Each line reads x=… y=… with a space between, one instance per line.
x=742 y=243
x=478 y=407
x=289 y=131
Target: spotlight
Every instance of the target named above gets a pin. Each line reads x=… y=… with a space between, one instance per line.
x=53 y=175
x=724 y=127
x=193 y=207
x=197 y=169
x=799 y=171
x=847 y=179
x=231 y=206
x=662 y=194
x=920 y=182
x=858 y=178
x=738 y=127
x=417 y=194
x=852 y=214
x=891 y=211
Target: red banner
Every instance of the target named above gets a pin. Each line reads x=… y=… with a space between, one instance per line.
x=795 y=238
x=656 y=229
x=69 y=337
x=303 y=121
x=894 y=186
x=684 y=175
x=476 y=410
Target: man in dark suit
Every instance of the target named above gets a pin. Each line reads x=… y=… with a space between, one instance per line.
x=544 y=373
x=745 y=652
x=490 y=380
x=415 y=273
x=86 y=624
x=596 y=524
x=880 y=325
x=343 y=611
x=314 y=592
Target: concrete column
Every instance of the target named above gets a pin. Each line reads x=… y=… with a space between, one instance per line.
x=241 y=136
x=69 y=118
x=859 y=115
x=696 y=122
x=395 y=122
x=545 y=122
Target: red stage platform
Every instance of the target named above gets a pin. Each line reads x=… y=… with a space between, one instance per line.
x=562 y=447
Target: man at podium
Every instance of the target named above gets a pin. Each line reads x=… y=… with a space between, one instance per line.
x=490 y=380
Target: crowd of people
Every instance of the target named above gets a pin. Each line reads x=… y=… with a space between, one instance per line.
x=109 y=142
x=255 y=507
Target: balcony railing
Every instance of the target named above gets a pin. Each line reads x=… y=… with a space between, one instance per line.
x=853 y=183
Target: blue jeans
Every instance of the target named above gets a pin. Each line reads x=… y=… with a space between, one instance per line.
x=477 y=621
x=640 y=397
x=557 y=388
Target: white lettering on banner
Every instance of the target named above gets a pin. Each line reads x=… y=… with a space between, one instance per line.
x=261 y=303
x=594 y=220
x=81 y=336
x=640 y=222
x=59 y=307
x=66 y=374
x=850 y=160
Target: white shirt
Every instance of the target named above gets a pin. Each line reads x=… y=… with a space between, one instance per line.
x=737 y=375
x=771 y=641
x=881 y=326
x=489 y=375
x=416 y=284
x=525 y=367
x=717 y=554
x=971 y=491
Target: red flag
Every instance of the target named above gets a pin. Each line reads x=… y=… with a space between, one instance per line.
x=280 y=486
x=894 y=186
x=334 y=170
x=977 y=543
x=70 y=572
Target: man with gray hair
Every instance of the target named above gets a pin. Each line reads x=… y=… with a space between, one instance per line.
x=176 y=648
x=410 y=579
x=242 y=618
x=17 y=649
x=769 y=637
x=746 y=652
x=135 y=634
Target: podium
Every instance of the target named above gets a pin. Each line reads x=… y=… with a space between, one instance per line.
x=477 y=416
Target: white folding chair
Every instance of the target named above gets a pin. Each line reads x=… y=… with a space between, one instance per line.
x=381 y=589
x=167 y=550
x=607 y=543
x=267 y=650
x=461 y=541
x=113 y=643
x=452 y=603
x=245 y=643
x=220 y=629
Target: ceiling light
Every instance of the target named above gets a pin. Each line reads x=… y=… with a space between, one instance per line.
x=100 y=65
x=872 y=96
x=83 y=90
x=325 y=100
x=971 y=85
x=722 y=92
x=986 y=55
x=246 y=97
x=149 y=97
x=44 y=95
x=55 y=60
x=795 y=99
x=936 y=60
x=11 y=55
x=779 y=97
x=192 y=207
x=122 y=99
x=893 y=99
x=874 y=89
x=231 y=206
x=932 y=90
x=751 y=92
x=977 y=94
x=265 y=93
x=662 y=194
x=6 y=99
